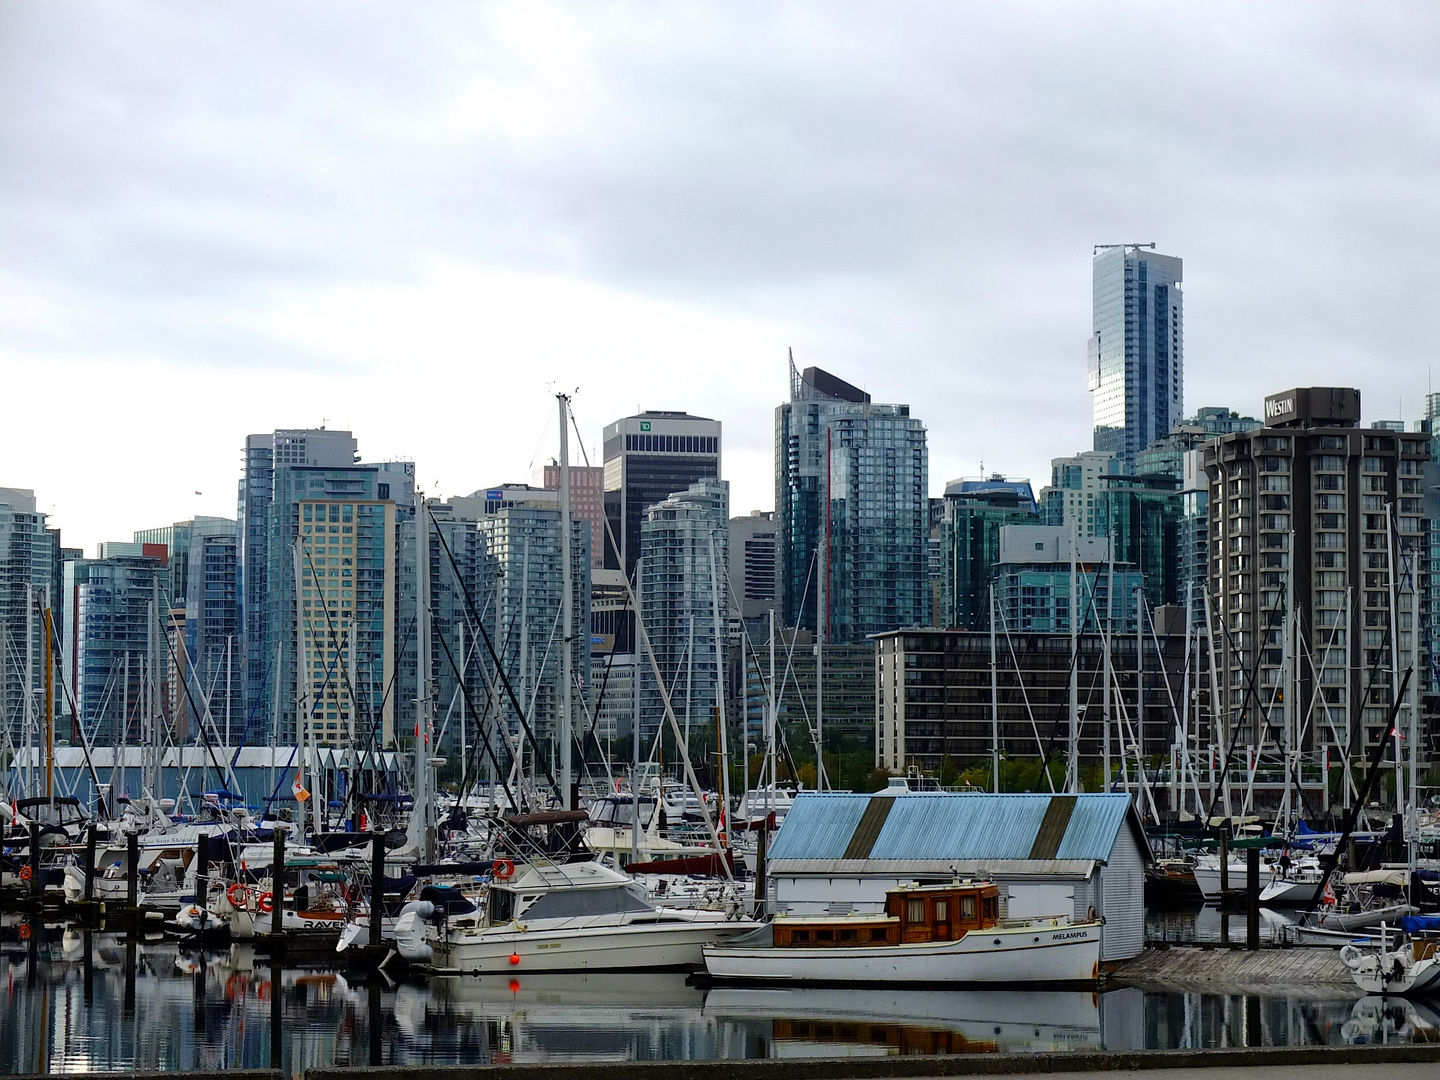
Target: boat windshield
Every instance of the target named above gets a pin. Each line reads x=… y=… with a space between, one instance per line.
x=572 y=903
x=619 y=811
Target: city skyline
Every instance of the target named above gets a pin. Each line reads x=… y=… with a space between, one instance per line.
x=447 y=211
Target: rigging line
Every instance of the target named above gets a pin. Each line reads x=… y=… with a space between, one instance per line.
x=484 y=730
x=79 y=724
x=763 y=675
x=1387 y=648
x=643 y=639
x=492 y=696
x=204 y=738
x=1062 y=709
x=591 y=720
x=495 y=658
x=1251 y=677
x=1010 y=645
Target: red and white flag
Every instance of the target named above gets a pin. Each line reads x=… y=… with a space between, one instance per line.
x=299 y=789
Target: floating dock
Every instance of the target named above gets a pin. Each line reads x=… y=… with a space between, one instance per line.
x=1219 y=968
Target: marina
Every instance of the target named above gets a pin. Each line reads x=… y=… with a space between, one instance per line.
x=512 y=891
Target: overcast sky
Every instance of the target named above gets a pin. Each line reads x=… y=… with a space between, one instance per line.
x=420 y=220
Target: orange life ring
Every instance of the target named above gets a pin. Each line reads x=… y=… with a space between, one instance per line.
x=27 y=872
x=266 y=903
x=504 y=870
x=239 y=900
x=24 y=931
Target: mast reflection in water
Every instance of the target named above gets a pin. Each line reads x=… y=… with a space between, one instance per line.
x=80 y=1000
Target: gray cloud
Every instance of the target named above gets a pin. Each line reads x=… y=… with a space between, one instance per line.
x=907 y=194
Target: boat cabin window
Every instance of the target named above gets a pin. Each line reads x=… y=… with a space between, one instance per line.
x=942 y=911
x=967 y=908
x=502 y=906
x=576 y=903
x=915 y=910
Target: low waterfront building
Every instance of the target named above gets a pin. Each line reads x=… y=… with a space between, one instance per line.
x=1062 y=855
x=935 y=698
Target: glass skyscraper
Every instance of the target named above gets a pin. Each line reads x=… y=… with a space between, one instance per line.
x=868 y=466
x=1136 y=352
x=684 y=542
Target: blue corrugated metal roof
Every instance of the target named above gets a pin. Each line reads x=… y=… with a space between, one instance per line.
x=944 y=825
x=1091 y=834
x=823 y=828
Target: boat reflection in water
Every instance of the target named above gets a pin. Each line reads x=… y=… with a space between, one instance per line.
x=71 y=1000
x=814 y=1022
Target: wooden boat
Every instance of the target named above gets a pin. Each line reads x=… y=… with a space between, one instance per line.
x=950 y=933
x=1172 y=881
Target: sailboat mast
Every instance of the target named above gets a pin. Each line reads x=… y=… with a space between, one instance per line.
x=822 y=629
x=422 y=678
x=720 y=692
x=769 y=766
x=567 y=614
x=994 y=704
x=1072 y=767
x=49 y=708
x=1105 y=710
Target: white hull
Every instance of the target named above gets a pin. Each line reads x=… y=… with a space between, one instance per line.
x=1389 y=973
x=1030 y=954
x=1288 y=894
x=1207 y=878
x=634 y=947
x=105 y=889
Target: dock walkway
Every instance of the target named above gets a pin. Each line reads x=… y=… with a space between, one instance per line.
x=1208 y=968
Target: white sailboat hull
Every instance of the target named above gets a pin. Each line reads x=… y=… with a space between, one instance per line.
x=1391 y=973
x=1280 y=893
x=1033 y=954
x=633 y=947
x=1207 y=879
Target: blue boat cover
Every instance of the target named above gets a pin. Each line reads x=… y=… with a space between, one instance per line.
x=1415 y=924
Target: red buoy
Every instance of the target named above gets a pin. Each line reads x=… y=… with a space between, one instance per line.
x=514 y=959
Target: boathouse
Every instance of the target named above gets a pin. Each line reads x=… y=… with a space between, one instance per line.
x=1050 y=854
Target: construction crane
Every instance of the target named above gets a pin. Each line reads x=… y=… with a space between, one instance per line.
x=1106 y=247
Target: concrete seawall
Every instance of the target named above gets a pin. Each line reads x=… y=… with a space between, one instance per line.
x=1402 y=1062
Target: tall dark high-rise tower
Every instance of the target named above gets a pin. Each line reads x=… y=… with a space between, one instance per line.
x=648 y=458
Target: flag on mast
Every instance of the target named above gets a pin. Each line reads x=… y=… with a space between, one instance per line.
x=298 y=788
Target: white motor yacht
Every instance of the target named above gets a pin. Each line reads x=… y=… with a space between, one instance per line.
x=561 y=916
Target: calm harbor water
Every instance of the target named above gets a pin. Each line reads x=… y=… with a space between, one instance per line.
x=74 y=1000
